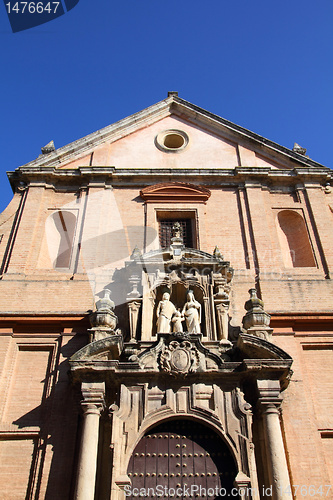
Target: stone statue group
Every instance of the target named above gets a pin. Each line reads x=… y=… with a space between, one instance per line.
x=170 y=319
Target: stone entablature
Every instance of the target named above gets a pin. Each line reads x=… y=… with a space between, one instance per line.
x=249 y=353
x=107 y=176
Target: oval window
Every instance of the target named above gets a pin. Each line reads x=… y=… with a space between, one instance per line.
x=172 y=141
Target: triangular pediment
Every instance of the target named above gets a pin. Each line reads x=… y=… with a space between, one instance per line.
x=210 y=142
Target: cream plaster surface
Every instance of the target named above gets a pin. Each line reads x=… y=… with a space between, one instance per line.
x=205 y=150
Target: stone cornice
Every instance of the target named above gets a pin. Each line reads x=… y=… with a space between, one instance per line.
x=114 y=372
x=82 y=176
x=261 y=359
x=254 y=347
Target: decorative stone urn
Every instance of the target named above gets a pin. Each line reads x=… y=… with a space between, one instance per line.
x=103 y=320
x=256 y=321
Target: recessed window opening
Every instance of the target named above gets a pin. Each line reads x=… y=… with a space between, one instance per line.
x=294 y=239
x=173 y=141
x=166 y=232
x=188 y=223
x=64 y=223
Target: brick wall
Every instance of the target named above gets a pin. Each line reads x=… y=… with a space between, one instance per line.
x=39 y=411
x=39 y=414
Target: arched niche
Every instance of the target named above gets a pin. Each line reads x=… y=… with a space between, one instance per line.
x=294 y=240
x=60 y=230
x=182 y=453
x=178 y=297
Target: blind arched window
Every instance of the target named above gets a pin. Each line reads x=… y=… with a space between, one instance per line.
x=63 y=229
x=294 y=240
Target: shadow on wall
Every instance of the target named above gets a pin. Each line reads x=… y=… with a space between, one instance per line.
x=57 y=416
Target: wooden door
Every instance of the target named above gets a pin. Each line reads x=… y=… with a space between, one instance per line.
x=181 y=459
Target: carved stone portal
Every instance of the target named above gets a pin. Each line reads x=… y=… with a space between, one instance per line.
x=177 y=289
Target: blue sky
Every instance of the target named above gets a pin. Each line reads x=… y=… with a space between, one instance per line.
x=265 y=65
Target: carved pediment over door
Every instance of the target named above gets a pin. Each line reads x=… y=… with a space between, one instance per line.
x=175 y=191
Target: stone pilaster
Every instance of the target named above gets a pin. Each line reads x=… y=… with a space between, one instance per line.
x=133 y=310
x=269 y=402
x=92 y=406
x=222 y=302
x=222 y=319
x=321 y=220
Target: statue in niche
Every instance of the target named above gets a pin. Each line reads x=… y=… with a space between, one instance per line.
x=177 y=320
x=192 y=313
x=165 y=311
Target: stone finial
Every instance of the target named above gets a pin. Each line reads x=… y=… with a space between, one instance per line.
x=103 y=320
x=136 y=254
x=298 y=149
x=48 y=148
x=256 y=320
x=217 y=253
x=254 y=303
x=172 y=93
x=105 y=304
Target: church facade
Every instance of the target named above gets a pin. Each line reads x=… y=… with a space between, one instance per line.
x=166 y=316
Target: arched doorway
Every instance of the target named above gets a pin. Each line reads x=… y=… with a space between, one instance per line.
x=181 y=459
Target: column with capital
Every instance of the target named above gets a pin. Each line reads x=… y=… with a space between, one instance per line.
x=92 y=406
x=269 y=403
